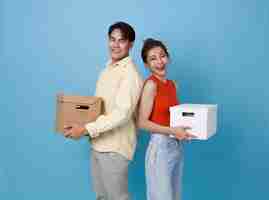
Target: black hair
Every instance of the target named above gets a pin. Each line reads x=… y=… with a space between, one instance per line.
x=127 y=30
x=150 y=44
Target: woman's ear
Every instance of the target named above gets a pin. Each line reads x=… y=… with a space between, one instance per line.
x=169 y=61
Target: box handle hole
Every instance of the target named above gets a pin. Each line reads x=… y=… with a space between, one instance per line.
x=188 y=114
x=82 y=107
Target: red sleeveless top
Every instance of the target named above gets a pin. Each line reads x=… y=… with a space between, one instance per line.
x=165 y=97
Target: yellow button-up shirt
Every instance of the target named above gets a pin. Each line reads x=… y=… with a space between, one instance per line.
x=119 y=85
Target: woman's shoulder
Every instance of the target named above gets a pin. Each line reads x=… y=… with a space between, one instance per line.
x=149 y=87
x=152 y=79
x=149 y=82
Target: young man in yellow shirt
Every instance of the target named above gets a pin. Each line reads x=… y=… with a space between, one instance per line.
x=113 y=134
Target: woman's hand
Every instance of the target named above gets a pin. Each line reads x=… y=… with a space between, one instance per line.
x=181 y=134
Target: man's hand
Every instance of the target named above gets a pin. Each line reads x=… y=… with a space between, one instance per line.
x=74 y=131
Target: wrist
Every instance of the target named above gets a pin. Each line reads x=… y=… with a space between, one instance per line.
x=84 y=130
x=182 y=128
x=171 y=131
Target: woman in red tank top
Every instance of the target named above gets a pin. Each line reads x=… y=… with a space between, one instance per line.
x=164 y=157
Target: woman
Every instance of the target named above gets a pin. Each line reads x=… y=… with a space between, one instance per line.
x=164 y=156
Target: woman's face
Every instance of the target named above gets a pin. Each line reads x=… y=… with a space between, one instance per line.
x=156 y=61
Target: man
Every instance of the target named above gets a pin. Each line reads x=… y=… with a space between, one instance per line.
x=113 y=134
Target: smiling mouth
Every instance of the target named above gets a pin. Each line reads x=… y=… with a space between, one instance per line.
x=115 y=51
x=161 y=69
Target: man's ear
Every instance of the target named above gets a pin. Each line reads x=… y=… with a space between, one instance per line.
x=131 y=44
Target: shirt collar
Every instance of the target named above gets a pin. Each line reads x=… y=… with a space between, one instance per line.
x=121 y=62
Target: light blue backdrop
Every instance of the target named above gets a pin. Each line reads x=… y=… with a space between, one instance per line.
x=219 y=53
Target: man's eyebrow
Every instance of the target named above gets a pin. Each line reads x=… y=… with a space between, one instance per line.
x=120 y=38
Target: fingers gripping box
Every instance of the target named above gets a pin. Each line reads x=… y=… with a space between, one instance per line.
x=201 y=118
x=76 y=109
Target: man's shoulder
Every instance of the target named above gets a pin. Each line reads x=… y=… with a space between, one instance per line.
x=131 y=69
x=130 y=65
x=102 y=72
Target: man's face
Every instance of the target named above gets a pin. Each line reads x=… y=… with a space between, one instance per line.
x=119 y=47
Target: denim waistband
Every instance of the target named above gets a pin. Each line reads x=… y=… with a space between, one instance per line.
x=163 y=139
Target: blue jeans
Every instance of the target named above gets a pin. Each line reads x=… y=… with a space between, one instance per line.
x=164 y=165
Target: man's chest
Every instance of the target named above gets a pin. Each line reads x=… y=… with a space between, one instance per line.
x=109 y=83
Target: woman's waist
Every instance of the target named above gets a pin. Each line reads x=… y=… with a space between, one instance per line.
x=164 y=140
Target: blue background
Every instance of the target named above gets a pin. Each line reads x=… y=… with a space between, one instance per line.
x=219 y=52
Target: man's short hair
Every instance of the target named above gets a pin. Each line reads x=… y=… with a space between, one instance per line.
x=127 y=30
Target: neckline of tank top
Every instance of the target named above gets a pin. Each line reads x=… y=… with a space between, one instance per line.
x=164 y=82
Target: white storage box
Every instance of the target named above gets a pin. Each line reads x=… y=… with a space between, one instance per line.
x=201 y=118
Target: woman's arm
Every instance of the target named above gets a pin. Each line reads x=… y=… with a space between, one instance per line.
x=145 y=109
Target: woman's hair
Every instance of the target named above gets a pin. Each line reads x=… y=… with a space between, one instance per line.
x=150 y=44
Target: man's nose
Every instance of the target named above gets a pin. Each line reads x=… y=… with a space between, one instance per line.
x=115 y=44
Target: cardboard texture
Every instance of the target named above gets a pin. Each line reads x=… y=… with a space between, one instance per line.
x=76 y=109
x=201 y=118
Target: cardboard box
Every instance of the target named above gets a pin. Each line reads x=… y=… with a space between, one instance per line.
x=201 y=118
x=76 y=109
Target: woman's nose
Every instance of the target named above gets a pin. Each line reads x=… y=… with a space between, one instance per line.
x=159 y=60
